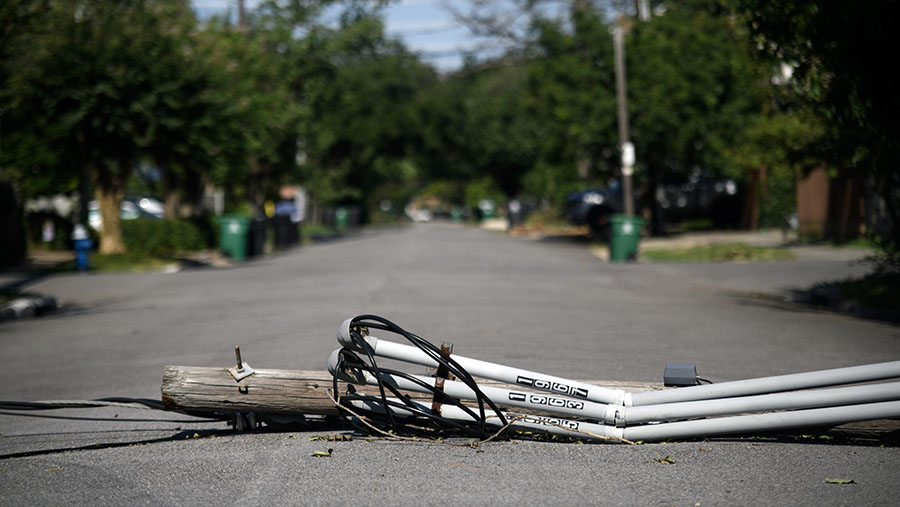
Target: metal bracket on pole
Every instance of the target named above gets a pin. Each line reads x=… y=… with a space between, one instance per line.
x=440 y=375
x=241 y=370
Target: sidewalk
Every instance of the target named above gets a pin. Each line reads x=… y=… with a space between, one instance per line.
x=37 y=262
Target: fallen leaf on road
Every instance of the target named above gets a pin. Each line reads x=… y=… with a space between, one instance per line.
x=54 y=469
x=322 y=454
x=332 y=438
x=840 y=481
x=665 y=461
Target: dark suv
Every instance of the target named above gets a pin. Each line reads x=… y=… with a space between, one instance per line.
x=594 y=207
x=699 y=197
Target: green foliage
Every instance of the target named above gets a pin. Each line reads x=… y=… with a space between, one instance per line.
x=783 y=144
x=880 y=290
x=359 y=91
x=353 y=116
x=693 y=85
x=545 y=218
x=445 y=191
x=90 y=96
x=483 y=188
x=836 y=51
x=162 y=238
x=571 y=98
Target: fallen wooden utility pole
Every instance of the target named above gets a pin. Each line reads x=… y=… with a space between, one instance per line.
x=280 y=392
x=305 y=392
x=286 y=392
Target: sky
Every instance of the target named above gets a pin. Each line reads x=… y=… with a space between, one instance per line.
x=425 y=27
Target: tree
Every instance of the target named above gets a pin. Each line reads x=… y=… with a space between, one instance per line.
x=258 y=115
x=23 y=153
x=571 y=95
x=693 y=87
x=95 y=76
x=193 y=120
x=359 y=92
x=836 y=50
x=781 y=144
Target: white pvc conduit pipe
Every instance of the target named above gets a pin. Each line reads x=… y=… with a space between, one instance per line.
x=778 y=401
x=823 y=378
x=575 y=389
x=478 y=368
x=501 y=396
x=622 y=416
x=773 y=421
x=831 y=416
x=541 y=423
x=612 y=406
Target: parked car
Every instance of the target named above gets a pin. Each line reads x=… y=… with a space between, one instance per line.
x=132 y=207
x=699 y=197
x=595 y=206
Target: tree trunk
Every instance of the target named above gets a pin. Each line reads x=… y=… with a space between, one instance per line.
x=171 y=203
x=255 y=195
x=763 y=197
x=170 y=191
x=192 y=187
x=750 y=209
x=110 y=199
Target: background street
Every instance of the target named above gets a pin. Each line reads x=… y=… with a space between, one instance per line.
x=542 y=305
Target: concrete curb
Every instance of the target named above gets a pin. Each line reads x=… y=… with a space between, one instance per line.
x=27 y=306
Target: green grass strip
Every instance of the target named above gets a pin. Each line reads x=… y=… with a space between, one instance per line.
x=724 y=252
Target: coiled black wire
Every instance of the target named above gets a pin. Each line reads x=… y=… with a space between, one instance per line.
x=347 y=358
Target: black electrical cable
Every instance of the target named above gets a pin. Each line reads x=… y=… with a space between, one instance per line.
x=360 y=324
x=701 y=380
x=439 y=357
x=118 y=402
x=352 y=361
x=407 y=405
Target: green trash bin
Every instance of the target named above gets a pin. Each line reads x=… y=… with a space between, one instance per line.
x=233 y=231
x=626 y=233
x=341 y=217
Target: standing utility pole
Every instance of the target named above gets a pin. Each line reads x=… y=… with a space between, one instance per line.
x=625 y=145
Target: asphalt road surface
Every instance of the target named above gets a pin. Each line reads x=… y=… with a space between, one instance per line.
x=541 y=305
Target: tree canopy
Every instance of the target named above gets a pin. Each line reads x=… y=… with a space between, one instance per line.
x=91 y=90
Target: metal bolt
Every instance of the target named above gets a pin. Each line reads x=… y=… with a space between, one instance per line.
x=237 y=355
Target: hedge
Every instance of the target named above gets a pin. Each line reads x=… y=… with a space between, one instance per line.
x=163 y=238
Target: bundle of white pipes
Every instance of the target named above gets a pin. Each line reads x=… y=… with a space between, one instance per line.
x=583 y=410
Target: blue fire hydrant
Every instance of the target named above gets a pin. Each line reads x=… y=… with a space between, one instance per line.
x=83 y=244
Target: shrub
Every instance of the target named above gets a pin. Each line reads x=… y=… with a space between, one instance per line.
x=162 y=238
